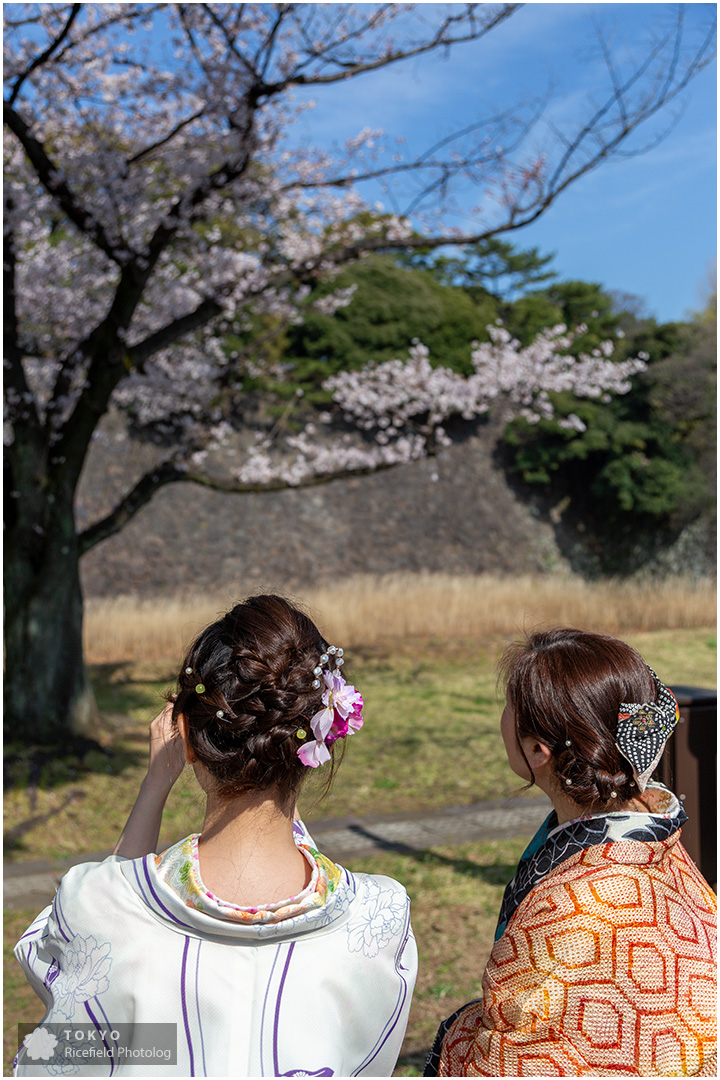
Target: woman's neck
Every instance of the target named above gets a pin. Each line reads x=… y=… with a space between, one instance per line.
x=568 y=810
x=247 y=852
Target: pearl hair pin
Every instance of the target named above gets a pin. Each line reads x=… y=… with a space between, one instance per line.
x=333 y=654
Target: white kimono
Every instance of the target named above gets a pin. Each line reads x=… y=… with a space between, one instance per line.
x=317 y=985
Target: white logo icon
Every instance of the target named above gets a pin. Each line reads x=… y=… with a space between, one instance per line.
x=40 y=1044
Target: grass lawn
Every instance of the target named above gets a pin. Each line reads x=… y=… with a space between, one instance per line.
x=431 y=739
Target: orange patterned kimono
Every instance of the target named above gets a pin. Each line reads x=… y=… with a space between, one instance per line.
x=606 y=968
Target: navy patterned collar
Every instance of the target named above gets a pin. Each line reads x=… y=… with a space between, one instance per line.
x=554 y=843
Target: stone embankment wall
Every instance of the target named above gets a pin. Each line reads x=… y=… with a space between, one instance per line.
x=455 y=513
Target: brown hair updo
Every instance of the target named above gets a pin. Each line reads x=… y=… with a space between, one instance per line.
x=255 y=666
x=566 y=686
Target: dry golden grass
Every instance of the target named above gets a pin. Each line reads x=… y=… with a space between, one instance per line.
x=367 y=610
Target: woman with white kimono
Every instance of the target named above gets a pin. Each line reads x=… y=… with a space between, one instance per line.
x=263 y=956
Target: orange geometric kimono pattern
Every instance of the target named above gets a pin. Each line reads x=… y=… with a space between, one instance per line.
x=607 y=968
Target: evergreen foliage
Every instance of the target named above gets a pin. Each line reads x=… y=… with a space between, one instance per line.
x=645 y=463
x=392 y=306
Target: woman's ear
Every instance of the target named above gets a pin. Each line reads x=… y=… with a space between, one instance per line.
x=537 y=753
x=182 y=726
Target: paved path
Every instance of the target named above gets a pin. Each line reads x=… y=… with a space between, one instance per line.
x=32 y=884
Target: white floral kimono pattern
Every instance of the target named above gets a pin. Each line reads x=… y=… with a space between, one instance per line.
x=317 y=985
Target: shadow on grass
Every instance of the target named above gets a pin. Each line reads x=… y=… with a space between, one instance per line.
x=123 y=744
x=118 y=690
x=33 y=768
x=412 y=1064
x=497 y=874
x=13 y=837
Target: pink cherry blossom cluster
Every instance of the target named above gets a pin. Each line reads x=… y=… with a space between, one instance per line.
x=385 y=397
x=399 y=408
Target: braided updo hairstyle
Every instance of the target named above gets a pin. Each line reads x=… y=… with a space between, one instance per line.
x=565 y=687
x=245 y=688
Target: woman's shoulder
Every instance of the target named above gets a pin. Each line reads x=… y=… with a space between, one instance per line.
x=619 y=883
x=93 y=874
x=378 y=917
x=374 y=886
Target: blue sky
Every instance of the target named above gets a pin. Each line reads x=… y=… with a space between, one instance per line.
x=644 y=225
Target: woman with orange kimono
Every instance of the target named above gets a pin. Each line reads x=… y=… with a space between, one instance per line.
x=604 y=958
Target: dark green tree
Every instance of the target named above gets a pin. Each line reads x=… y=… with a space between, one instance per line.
x=392 y=306
x=644 y=465
x=491 y=266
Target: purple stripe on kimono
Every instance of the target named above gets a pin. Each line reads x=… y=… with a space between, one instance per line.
x=402 y=996
x=157 y=899
x=98 y=1028
x=183 y=972
x=60 y=917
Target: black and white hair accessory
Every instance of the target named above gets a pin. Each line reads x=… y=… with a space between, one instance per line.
x=643 y=729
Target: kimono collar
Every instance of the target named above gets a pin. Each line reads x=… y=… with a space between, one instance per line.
x=552 y=844
x=171 y=886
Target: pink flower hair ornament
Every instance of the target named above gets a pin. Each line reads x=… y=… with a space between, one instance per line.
x=342 y=716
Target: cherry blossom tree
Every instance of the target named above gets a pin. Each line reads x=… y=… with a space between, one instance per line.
x=155 y=197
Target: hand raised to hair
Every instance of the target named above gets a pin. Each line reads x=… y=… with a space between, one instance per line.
x=167 y=757
x=142 y=829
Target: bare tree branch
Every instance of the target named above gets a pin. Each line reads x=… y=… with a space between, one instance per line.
x=646 y=109
x=166 y=473
x=351 y=70
x=173 y=472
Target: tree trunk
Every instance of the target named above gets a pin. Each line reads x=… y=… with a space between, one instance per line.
x=48 y=698
x=47 y=693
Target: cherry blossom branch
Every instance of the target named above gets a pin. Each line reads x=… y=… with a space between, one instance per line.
x=398 y=411
x=188 y=204
x=426 y=160
x=153 y=147
x=206 y=310
x=50 y=176
x=123 y=14
x=269 y=44
x=46 y=54
x=230 y=41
